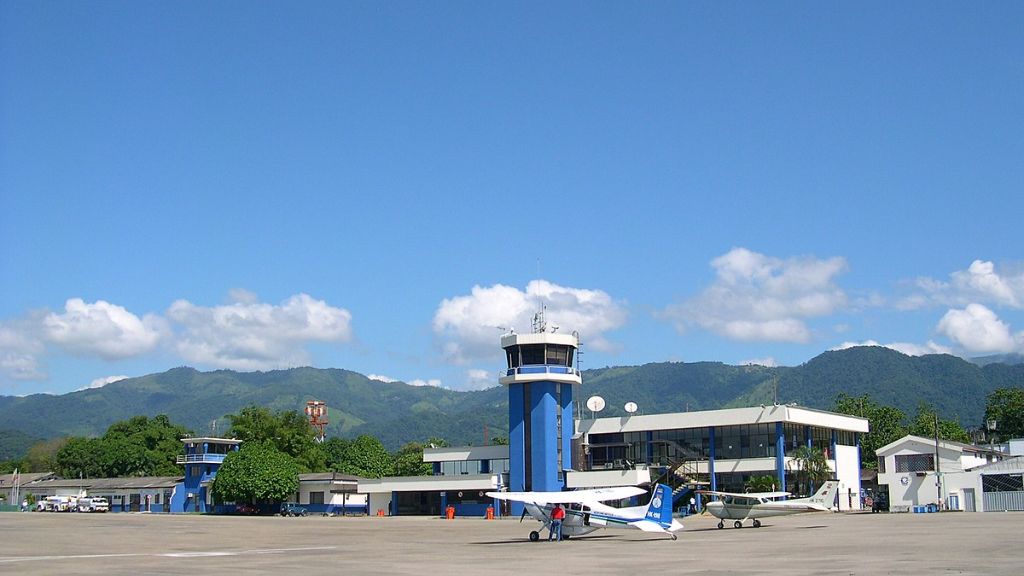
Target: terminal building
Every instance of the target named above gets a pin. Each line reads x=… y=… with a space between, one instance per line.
x=550 y=449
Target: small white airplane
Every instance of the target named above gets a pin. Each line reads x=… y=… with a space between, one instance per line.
x=739 y=507
x=585 y=511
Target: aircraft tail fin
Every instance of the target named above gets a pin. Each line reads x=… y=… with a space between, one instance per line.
x=825 y=496
x=660 y=508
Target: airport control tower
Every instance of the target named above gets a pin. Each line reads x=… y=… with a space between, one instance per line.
x=541 y=384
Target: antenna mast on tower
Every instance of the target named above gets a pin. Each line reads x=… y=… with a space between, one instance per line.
x=317 y=412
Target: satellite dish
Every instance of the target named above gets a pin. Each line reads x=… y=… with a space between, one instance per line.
x=595 y=403
x=630 y=407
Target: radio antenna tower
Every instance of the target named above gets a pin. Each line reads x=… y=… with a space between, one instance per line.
x=317 y=413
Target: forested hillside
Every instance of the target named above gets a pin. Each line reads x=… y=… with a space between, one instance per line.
x=397 y=413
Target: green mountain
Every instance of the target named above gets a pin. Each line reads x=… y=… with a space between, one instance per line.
x=396 y=412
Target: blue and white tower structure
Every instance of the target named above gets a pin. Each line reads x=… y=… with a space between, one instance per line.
x=542 y=384
x=202 y=459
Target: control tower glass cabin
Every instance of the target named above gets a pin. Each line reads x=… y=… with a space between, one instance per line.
x=541 y=384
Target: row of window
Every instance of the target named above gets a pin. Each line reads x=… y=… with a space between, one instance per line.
x=539 y=354
x=731 y=443
x=472 y=467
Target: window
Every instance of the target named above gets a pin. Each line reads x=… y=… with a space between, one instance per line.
x=557 y=355
x=881 y=464
x=915 y=463
x=316 y=497
x=532 y=354
x=1002 y=483
x=846 y=438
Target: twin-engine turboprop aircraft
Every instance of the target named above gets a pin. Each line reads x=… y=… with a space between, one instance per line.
x=585 y=511
x=739 y=507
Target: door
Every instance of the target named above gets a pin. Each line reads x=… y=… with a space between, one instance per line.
x=969 y=500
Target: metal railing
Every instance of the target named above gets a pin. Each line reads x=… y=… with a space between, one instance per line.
x=200 y=458
x=542 y=369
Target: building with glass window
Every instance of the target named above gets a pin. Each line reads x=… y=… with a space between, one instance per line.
x=724 y=449
x=550 y=450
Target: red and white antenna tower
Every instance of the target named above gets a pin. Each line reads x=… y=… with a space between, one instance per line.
x=317 y=413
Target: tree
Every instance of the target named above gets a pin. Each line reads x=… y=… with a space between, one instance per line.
x=924 y=425
x=42 y=456
x=257 y=472
x=408 y=461
x=885 y=424
x=811 y=467
x=81 y=458
x=365 y=456
x=763 y=483
x=289 y=431
x=139 y=446
x=1005 y=407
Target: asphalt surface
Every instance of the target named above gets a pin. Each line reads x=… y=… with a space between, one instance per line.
x=821 y=543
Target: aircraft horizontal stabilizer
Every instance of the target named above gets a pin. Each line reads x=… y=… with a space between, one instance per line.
x=647 y=526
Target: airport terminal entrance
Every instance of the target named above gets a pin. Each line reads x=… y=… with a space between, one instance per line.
x=419 y=503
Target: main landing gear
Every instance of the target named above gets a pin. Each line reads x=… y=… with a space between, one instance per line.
x=739 y=524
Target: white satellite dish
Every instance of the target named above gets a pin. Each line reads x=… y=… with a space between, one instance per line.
x=595 y=403
x=630 y=407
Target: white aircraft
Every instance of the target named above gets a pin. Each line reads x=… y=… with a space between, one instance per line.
x=585 y=512
x=739 y=507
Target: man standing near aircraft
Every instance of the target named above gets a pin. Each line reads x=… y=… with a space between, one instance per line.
x=557 y=515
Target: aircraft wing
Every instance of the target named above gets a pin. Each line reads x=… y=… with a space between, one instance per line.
x=571 y=497
x=745 y=495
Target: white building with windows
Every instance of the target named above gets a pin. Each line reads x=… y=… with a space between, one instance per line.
x=907 y=471
x=717 y=449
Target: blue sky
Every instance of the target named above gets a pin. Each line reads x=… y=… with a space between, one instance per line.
x=380 y=186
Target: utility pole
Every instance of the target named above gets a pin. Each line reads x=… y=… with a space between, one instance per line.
x=938 y=471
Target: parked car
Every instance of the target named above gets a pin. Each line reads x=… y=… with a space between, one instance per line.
x=292 y=509
x=247 y=509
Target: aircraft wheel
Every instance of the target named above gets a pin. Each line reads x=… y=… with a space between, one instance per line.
x=757 y=523
x=566 y=536
x=737 y=524
x=534 y=536
x=674 y=537
x=721 y=524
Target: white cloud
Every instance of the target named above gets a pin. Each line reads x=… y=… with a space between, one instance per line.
x=979 y=330
x=434 y=382
x=101 y=382
x=478 y=379
x=257 y=336
x=20 y=350
x=758 y=297
x=380 y=378
x=908 y=348
x=469 y=326
x=242 y=296
x=981 y=283
x=102 y=329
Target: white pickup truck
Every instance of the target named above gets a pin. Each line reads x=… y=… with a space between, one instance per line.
x=93 y=504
